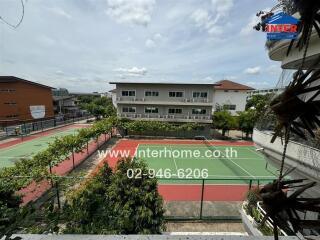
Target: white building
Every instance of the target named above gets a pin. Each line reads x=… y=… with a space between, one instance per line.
x=230 y=95
x=265 y=91
x=208 y=97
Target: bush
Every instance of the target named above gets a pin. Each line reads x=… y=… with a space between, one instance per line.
x=113 y=203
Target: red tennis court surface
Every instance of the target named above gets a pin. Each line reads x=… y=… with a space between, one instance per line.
x=185 y=192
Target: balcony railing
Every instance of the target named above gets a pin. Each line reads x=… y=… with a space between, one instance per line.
x=186 y=100
x=159 y=116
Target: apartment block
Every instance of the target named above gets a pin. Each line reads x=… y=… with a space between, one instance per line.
x=171 y=102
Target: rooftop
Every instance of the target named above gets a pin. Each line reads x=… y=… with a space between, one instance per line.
x=10 y=79
x=230 y=85
x=164 y=83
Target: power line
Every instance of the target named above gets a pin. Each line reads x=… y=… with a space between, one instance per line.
x=20 y=21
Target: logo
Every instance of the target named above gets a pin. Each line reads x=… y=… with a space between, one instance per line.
x=281 y=26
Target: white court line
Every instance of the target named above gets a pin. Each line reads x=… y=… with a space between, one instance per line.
x=135 y=152
x=240 y=167
x=174 y=160
x=15 y=157
x=259 y=155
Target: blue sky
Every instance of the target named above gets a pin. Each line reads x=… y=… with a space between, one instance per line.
x=83 y=44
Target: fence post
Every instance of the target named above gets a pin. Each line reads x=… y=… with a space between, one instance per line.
x=87 y=148
x=201 y=203
x=73 y=158
x=58 y=195
x=250 y=184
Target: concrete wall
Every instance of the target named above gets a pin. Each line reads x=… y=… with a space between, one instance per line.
x=163 y=110
x=307 y=159
x=164 y=91
x=232 y=97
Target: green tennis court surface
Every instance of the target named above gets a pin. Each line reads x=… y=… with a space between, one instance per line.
x=237 y=165
x=9 y=155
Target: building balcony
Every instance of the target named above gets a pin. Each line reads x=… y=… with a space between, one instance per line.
x=184 y=101
x=278 y=51
x=167 y=118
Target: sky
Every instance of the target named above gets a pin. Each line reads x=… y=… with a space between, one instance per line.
x=82 y=45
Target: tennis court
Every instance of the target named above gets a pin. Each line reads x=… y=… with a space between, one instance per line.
x=31 y=145
x=182 y=162
x=181 y=177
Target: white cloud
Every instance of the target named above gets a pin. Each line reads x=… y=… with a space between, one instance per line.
x=154 y=40
x=204 y=20
x=45 y=40
x=150 y=43
x=60 y=12
x=248 y=29
x=212 y=21
x=59 y=73
x=222 y=7
x=131 y=11
x=259 y=84
x=134 y=71
x=253 y=70
x=253 y=20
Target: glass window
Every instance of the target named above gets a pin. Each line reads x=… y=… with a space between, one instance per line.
x=175 y=111
x=200 y=94
x=130 y=93
x=151 y=94
x=175 y=94
x=199 y=111
x=129 y=109
x=229 y=107
x=151 y=110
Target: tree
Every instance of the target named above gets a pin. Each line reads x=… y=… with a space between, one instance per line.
x=224 y=120
x=259 y=102
x=246 y=121
x=98 y=106
x=9 y=209
x=87 y=208
x=138 y=207
x=114 y=203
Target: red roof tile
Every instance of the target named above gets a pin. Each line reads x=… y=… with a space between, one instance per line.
x=229 y=85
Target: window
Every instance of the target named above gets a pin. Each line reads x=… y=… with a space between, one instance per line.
x=129 y=93
x=175 y=111
x=199 y=111
x=10 y=103
x=151 y=110
x=12 y=116
x=200 y=94
x=151 y=93
x=229 y=107
x=7 y=90
x=175 y=94
x=129 y=109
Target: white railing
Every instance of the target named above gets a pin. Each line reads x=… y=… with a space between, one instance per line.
x=186 y=100
x=155 y=116
x=269 y=221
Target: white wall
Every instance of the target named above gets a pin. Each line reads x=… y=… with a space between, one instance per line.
x=305 y=158
x=231 y=97
x=114 y=99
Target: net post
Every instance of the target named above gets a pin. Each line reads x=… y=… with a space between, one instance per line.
x=250 y=184
x=201 y=203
